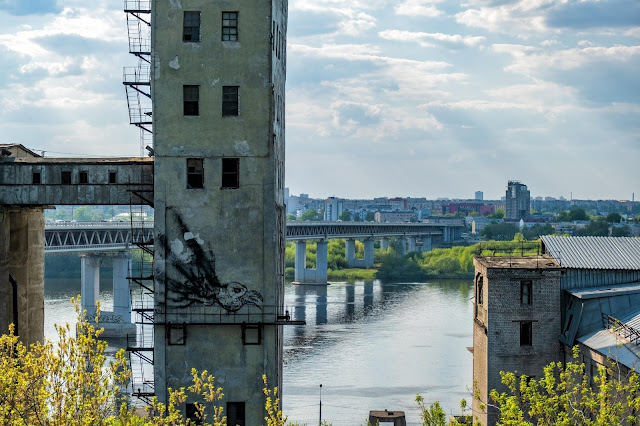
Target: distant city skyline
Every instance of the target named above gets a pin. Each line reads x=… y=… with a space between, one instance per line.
x=421 y=98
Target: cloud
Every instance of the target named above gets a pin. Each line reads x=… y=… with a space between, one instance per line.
x=585 y=14
x=518 y=17
x=418 y=8
x=432 y=39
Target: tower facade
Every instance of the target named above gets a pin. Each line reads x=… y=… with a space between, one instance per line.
x=517 y=201
x=218 y=78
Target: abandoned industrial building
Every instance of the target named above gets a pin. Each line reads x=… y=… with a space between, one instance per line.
x=530 y=311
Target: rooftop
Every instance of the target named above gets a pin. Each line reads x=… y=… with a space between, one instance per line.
x=518 y=262
x=606 y=291
x=594 y=252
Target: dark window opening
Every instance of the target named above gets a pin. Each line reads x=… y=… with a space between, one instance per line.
x=480 y=295
x=235 y=413
x=195 y=173
x=526 y=331
x=229 y=101
x=177 y=334
x=65 y=178
x=113 y=177
x=192 y=414
x=191 y=29
x=191 y=95
x=229 y=26
x=36 y=180
x=83 y=177
x=230 y=173
x=525 y=292
x=568 y=324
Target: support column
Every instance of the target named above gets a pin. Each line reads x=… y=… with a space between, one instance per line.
x=301 y=261
x=445 y=234
x=121 y=294
x=402 y=246
x=6 y=290
x=384 y=243
x=350 y=251
x=412 y=244
x=368 y=253
x=321 y=261
x=90 y=285
x=426 y=243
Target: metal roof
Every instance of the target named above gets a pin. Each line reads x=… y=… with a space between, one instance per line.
x=594 y=252
x=609 y=344
x=586 y=293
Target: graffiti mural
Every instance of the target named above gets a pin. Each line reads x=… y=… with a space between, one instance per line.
x=197 y=281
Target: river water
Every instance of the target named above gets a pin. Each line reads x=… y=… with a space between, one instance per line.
x=372 y=346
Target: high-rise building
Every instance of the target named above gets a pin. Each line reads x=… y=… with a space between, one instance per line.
x=332 y=209
x=218 y=87
x=479 y=195
x=517 y=201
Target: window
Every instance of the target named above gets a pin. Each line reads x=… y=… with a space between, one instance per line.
x=229 y=26
x=526 y=330
x=229 y=101
x=195 y=173
x=191 y=96
x=83 y=177
x=251 y=334
x=65 y=178
x=36 y=180
x=480 y=295
x=230 y=173
x=191 y=413
x=235 y=413
x=177 y=334
x=525 y=292
x=191 y=29
x=113 y=177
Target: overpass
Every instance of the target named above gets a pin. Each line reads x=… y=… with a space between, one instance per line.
x=91 y=237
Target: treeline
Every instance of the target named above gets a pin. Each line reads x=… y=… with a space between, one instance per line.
x=337 y=268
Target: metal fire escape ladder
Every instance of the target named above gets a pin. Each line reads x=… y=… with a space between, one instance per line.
x=137 y=80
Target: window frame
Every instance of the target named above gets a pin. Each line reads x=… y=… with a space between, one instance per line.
x=189 y=31
x=230 y=167
x=195 y=173
x=36 y=177
x=65 y=177
x=526 y=333
x=113 y=177
x=83 y=177
x=232 y=417
x=232 y=30
x=230 y=101
x=191 y=103
x=528 y=285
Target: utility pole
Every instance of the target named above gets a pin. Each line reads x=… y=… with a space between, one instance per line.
x=320 y=422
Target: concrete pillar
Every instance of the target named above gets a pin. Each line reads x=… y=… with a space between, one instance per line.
x=426 y=243
x=412 y=244
x=402 y=246
x=384 y=243
x=368 y=253
x=445 y=234
x=121 y=294
x=22 y=268
x=368 y=294
x=350 y=291
x=90 y=283
x=321 y=261
x=301 y=261
x=350 y=251
x=321 y=304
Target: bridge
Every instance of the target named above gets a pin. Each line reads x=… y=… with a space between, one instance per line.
x=91 y=237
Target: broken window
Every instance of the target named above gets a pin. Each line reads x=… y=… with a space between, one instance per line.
x=191 y=95
x=235 y=413
x=195 y=173
x=192 y=415
x=229 y=101
x=113 y=177
x=525 y=292
x=230 y=173
x=526 y=331
x=83 y=177
x=229 y=26
x=480 y=295
x=191 y=30
x=65 y=178
x=36 y=179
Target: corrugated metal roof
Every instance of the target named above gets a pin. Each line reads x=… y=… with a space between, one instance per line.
x=594 y=252
x=608 y=344
x=605 y=291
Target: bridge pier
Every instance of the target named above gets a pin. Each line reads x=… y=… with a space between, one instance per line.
x=303 y=275
x=22 y=272
x=384 y=243
x=412 y=244
x=350 y=251
x=402 y=246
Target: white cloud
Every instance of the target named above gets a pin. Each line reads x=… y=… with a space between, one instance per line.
x=519 y=18
x=418 y=8
x=431 y=39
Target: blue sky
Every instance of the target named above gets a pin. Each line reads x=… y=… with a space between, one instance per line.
x=400 y=98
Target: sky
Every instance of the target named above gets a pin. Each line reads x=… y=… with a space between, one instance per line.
x=420 y=98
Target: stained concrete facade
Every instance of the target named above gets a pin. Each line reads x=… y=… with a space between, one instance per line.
x=516 y=322
x=219 y=196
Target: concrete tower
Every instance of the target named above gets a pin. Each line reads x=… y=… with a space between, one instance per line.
x=517 y=201
x=218 y=79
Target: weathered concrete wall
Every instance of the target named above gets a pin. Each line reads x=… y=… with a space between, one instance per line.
x=500 y=349
x=218 y=251
x=22 y=260
x=17 y=185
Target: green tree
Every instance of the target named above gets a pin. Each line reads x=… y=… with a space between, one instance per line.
x=83 y=214
x=499 y=214
x=537 y=230
x=621 y=231
x=572 y=215
x=311 y=215
x=564 y=395
x=500 y=231
x=370 y=217
x=291 y=217
x=614 y=218
x=595 y=228
x=345 y=216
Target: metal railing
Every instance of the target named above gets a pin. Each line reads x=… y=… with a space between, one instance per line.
x=620 y=328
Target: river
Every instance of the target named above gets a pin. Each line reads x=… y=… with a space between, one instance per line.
x=372 y=345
